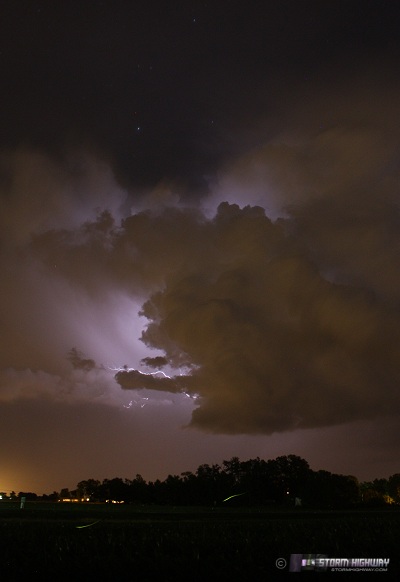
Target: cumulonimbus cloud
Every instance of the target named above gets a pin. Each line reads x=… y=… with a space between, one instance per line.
x=272 y=343
x=276 y=323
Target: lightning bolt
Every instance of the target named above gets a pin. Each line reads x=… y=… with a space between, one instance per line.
x=132 y=402
x=192 y=396
x=126 y=369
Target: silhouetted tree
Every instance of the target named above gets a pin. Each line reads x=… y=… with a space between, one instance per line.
x=65 y=493
x=88 y=488
x=29 y=496
x=138 y=490
x=288 y=476
x=327 y=489
x=394 y=487
x=114 y=489
x=257 y=482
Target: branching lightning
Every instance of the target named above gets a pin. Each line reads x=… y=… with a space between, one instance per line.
x=133 y=402
x=126 y=369
x=160 y=374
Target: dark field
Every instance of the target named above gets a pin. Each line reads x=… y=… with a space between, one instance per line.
x=44 y=541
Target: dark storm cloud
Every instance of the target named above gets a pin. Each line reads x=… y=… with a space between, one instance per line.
x=271 y=343
x=41 y=315
x=136 y=380
x=276 y=325
x=79 y=362
x=159 y=89
x=38 y=192
x=157 y=362
x=277 y=346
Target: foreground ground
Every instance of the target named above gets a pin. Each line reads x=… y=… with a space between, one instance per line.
x=124 y=543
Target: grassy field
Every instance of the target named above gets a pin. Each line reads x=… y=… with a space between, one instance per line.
x=127 y=542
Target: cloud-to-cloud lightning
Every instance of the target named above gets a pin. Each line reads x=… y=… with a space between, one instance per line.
x=278 y=324
x=272 y=343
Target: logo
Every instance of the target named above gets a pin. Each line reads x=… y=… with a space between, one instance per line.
x=321 y=563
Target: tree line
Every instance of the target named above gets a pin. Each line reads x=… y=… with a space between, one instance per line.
x=286 y=480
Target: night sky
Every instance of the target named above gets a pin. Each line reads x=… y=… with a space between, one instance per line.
x=199 y=237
